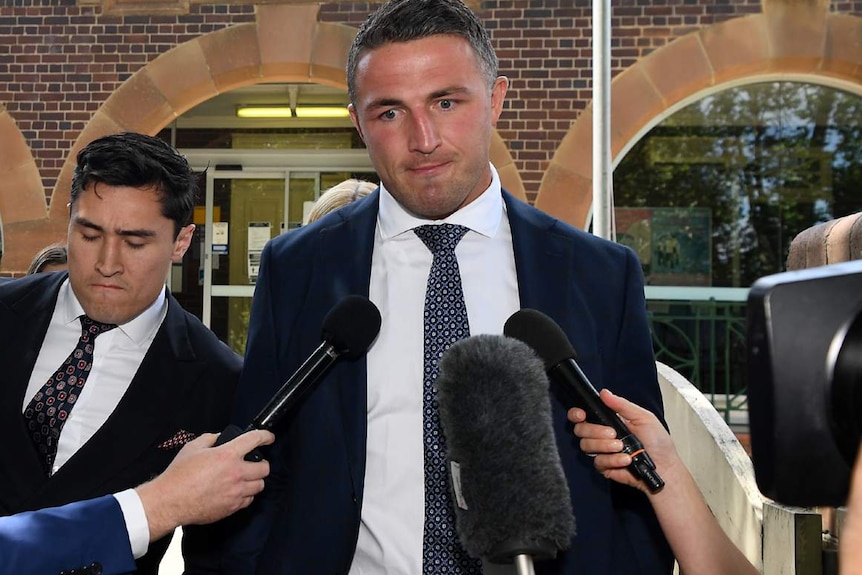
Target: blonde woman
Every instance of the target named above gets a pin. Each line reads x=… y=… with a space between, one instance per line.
x=339 y=196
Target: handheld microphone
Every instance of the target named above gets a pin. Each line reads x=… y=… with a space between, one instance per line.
x=551 y=344
x=348 y=330
x=511 y=499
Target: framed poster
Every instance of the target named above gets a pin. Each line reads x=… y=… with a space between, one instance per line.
x=673 y=244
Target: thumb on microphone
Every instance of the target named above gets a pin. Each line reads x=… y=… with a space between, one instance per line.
x=601 y=441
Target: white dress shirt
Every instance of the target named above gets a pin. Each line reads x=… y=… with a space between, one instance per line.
x=136 y=521
x=391 y=529
x=117 y=354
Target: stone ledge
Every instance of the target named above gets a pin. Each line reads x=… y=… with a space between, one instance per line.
x=831 y=242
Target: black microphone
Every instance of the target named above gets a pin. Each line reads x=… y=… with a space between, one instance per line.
x=348 y=330
x=511 y=499
x=546 y=337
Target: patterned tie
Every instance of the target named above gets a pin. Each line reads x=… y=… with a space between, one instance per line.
x=49 y=409
x=445 y=323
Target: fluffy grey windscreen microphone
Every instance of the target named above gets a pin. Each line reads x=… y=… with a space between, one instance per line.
x=510 y=492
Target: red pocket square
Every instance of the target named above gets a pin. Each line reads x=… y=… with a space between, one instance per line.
x=179 y=439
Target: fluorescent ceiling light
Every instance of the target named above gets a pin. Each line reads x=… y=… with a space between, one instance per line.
x=286 y=112
x=321 y=112
x=264 y=112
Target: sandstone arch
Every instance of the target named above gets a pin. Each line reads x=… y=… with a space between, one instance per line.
x=800 y=39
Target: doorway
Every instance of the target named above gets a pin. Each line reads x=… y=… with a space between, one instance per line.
x=250 y=198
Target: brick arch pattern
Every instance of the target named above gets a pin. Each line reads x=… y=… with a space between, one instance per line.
x=285 y=44
x=799 y=39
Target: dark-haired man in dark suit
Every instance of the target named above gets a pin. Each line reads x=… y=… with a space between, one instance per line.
x=138 y=376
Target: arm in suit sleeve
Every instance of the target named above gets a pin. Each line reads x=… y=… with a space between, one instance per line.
x=94 y=532
x=247 y=530
x=259 y=380
x=634 y=371
x=633 y=359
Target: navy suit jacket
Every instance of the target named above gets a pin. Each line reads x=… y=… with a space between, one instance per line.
x=185 y=383
x=87 y=537
x=307 y=519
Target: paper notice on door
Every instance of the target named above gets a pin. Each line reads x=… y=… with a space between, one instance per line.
x=258 y=234
x=220 y=237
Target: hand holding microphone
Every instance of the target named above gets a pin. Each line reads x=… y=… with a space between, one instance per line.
x=698 y=542
x=348 y=330
x=551 y=344
x=611 y=461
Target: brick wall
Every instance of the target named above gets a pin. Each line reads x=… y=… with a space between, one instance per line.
x=60 y=61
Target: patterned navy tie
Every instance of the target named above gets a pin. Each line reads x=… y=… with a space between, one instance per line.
x=49 y=409
x=445 y=323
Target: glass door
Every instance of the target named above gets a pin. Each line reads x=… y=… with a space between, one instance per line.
x=243 y=211
x=246 y=205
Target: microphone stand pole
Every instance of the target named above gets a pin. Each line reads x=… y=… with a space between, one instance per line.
x=524 y=564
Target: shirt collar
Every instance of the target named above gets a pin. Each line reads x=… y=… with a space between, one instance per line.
x=482 y=215
x=138 y=329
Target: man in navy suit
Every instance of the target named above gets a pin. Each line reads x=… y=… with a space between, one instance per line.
x=346 y=494
x=157 y=379
x=202 y=484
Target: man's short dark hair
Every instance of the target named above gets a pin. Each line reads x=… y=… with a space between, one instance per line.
x=140 y=161
x=406 y=20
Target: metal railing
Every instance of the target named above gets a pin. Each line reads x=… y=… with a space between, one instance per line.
x=704 y=340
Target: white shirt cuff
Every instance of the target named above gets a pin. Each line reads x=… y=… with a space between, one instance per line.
x=136 y=521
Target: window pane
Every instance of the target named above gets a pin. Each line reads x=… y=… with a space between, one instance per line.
x=714 y=195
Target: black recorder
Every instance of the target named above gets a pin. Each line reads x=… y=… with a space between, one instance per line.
x=805 y=382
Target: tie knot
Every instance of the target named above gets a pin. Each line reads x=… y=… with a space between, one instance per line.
x=442 y=238
x=94 y=328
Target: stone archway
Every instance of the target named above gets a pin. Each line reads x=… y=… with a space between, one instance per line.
x=795 y=38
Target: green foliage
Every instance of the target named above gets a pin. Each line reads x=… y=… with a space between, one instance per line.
x=767 y=160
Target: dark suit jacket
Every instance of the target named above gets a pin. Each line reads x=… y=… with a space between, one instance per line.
x=186 y=382
x=307 y=519
x=94 y=540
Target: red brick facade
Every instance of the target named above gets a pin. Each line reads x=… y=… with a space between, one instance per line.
x=60 y=61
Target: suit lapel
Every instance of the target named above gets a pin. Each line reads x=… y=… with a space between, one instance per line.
x=27 y=304
x=350 y=244
x=143 y=414
x=550 y=272
x=543 y=260
x=24 y=318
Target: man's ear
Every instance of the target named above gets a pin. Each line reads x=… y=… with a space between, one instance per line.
x=182 y=243
x=351 y=109
x=498 y=96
